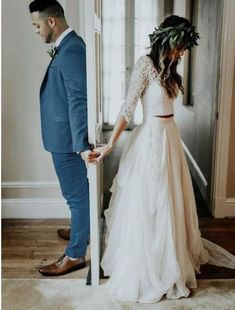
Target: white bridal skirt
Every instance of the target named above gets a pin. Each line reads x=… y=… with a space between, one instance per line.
x=153 y=245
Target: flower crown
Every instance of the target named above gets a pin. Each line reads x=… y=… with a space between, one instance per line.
x=173 y=36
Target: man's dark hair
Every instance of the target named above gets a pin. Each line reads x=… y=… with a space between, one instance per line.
x=47 y=8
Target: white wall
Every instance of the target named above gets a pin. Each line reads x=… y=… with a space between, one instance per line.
x=30 y=187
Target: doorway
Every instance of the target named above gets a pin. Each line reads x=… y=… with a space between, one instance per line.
x=196 y=111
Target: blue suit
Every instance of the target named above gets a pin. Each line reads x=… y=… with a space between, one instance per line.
x=63 y=98
x=63 y=107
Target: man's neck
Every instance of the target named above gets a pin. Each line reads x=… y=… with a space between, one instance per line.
x=60 y=31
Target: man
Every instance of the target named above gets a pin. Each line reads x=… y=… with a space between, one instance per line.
x=63 y=107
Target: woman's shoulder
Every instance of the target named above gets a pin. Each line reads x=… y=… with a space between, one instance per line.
x=144 y=59
x=146 y=65
x=143 y=63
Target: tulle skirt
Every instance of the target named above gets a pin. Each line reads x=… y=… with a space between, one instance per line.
x=153 y=245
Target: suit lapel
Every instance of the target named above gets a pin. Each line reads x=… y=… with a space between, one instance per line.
x=45 y=75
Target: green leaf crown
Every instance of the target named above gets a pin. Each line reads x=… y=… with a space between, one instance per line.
x=174 y=36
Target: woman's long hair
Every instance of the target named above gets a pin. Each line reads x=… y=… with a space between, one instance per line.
x=166 y=68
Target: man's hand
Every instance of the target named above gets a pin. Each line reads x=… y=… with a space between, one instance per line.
x=89 y=156
x=102 y=152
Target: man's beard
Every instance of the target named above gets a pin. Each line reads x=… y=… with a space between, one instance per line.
x=48 y=38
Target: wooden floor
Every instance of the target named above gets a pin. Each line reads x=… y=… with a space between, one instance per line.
x=222 y=232
x=28 y=244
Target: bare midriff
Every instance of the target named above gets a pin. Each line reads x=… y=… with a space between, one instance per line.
x=165 y=116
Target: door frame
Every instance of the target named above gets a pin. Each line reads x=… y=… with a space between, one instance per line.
x=221 y=206
x=92 y=25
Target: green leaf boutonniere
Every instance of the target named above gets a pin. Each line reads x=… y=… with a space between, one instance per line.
x=53 y=51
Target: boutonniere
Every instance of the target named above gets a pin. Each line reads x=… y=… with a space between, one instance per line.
x=53 y=51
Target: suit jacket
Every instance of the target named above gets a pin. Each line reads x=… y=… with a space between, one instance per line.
x=63 y=98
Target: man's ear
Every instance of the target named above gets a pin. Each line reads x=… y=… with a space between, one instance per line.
x=51 y=21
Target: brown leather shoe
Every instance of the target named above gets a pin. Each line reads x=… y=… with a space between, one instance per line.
x=63 y=266
x=64 y=233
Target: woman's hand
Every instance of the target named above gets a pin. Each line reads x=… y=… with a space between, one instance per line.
x=102 y=151
x=89 y=156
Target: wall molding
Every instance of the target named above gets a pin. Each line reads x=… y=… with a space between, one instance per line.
x=33 y=200
x=34 y=208
x=43 y=184
x=31 y=190
x=224 y=207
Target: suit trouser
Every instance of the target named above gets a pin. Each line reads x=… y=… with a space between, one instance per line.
x=72 y=174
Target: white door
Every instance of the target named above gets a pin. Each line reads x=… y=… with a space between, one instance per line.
x=93 y=49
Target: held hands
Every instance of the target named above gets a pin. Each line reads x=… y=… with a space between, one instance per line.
x=102 y=151
x=96 y=155
x=89 y=156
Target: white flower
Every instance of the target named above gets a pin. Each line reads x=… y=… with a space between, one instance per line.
x=52 y=51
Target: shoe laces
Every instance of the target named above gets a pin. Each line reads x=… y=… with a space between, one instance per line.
x=61 y=259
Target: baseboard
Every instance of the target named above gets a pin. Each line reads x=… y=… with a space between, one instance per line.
x=45 y=184
x=31 y=190
x=224 y=208
x=34 y=208
x=229 y=209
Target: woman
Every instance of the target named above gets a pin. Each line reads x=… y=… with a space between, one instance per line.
x=153 y=242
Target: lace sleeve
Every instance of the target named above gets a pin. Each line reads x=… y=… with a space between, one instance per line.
x=137 y=84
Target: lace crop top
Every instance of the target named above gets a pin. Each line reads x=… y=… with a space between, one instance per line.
x=144 y=84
